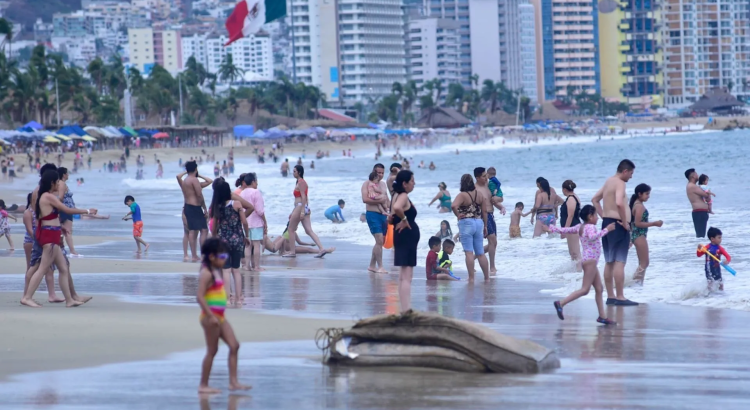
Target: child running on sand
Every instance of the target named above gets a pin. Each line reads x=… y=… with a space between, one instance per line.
x=4 y=225
x=435 y=272
x=515 y=220
x=495 y=192
x=703 y=184
x=135 y=215
x=713 y=267
x=374 y=191
x=591 y=249
x=212 y=298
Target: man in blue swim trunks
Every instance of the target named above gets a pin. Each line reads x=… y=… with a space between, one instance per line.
x=334 y=213
x=376 y=221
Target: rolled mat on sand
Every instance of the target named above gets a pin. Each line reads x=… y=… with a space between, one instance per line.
x=425 y=339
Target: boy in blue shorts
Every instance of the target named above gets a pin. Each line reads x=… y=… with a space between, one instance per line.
x=712 y=267
x=334 y=213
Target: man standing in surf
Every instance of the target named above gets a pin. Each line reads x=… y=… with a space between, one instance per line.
x=195 y=208
x=697 y=198
x=616 y=244
x=376 y=220
x=480 y=174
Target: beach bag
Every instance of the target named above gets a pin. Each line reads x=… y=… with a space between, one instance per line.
x=388 y=243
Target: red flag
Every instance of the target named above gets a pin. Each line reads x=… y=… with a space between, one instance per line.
x=236 y=22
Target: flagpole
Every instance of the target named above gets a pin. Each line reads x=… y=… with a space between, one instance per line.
x=57 y=100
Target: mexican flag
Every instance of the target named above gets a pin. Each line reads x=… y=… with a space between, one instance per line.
x=249 y=15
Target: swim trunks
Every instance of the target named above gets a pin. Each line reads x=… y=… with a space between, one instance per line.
x=196 y=220
x=615 y=244
x=138 y=229
x=515 y=231
x=700 y=222
x=377 y=222
x=491 y=226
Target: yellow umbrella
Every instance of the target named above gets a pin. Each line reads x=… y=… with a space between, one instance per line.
x=62 y=137
x=89 y=139
x=50 y=138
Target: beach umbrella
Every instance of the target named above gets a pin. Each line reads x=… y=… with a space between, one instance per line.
x=160 y=135
x=62 y=137
x=51 y=139
x=89 y=139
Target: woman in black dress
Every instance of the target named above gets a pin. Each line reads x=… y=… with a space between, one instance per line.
x=405 y=234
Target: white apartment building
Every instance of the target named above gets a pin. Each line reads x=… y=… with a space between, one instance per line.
x=527 y=51
x=194 y=45
x=371 y=53
x=434 y=51
x=315 y=58
x=80 y=50
x=457 y=10
x=253 y=54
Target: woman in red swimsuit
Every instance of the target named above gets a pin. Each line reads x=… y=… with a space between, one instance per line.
x=301 y=214
x=49 y=236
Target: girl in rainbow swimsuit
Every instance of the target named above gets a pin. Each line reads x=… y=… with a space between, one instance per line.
x=212 y=299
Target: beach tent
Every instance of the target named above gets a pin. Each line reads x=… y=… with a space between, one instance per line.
x=72 y=129
x=62 y=137
x=113 y=131
x=243 y=131
x=129 y=131
x=34 y=125
x=51 y=139
x=88 y=138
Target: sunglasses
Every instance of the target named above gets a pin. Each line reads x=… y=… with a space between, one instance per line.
x=223 y=256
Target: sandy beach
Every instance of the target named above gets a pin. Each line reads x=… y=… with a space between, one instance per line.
x=111 y=331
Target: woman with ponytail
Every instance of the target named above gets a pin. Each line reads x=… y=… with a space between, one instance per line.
x=48 y=235
x=639 y=229
x=569 y=216
x=405 y=235
x=28 y=246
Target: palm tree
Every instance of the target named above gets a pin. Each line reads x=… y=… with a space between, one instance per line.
x=199 y=103
x=455 y=95
x=474 y=81
x=6 y=31
x=229 y=71
x=96 y=71
x=490 y=94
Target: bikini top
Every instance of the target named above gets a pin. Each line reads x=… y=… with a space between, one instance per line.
x=473 y=210
x=52 y=216
x=297 y=193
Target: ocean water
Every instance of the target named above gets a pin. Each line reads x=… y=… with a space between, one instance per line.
x=675 y=275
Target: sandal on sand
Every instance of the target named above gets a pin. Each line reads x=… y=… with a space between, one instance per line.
x=321 y=255
x=606 y=321
x=558 y=308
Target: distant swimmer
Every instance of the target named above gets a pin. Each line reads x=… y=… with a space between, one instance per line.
x=697 y=198
x=616 y=244
x=285 y=168
x=432 y=166
x=334 y=213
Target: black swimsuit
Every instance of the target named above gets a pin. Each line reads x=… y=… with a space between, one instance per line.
x=405 y=242
x=564 y=213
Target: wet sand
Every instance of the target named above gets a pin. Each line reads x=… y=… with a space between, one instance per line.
x=108 y=330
